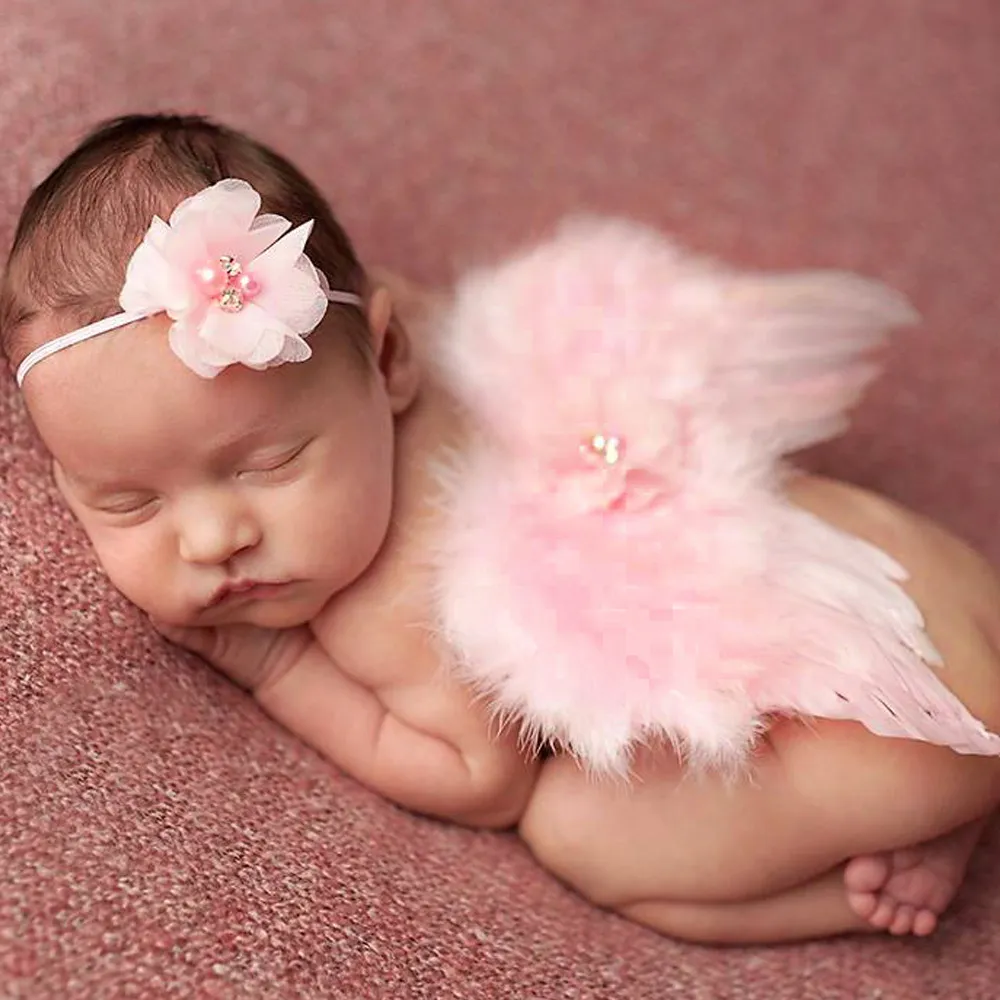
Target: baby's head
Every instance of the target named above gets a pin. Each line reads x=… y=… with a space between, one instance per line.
x=216 y=483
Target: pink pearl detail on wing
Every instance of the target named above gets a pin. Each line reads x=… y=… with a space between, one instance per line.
x=606 y=449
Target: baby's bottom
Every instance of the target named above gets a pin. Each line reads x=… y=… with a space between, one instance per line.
x=762 y=858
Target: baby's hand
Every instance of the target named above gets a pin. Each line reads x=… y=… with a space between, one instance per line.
x=416 y=740
x=252 y=657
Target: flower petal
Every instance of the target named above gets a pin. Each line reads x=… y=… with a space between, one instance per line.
x=158 y=233
x=291 y=288
x=187 y=248
x=234 y=335
x=294 y=349
x=269 y=219
x=268 y=348
x=293 y=297
x=258 y=239
x=232 y=199
x=284 y=254
x=152 y=285
x=192 y=351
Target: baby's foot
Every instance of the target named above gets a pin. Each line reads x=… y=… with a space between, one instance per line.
x=904 y=892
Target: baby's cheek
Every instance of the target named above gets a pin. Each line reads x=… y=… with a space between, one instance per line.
x=138 y=571
x=337 y=527
x=339 y=548
x=369 y=519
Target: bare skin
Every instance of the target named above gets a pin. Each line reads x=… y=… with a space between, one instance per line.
x=271 y=521
x=344 y=662
x=906 y=891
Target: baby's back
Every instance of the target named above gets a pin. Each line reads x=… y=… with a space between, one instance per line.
x=390 y=611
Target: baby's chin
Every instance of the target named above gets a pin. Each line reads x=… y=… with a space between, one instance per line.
x=264 y=614
x=281 y=614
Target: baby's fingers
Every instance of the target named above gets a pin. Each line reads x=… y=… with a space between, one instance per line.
x=230 y=650
x=190 y=638
x=246 y=654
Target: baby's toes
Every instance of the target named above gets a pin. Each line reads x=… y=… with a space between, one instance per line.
x=863 y=903
x=884 y=913
x=868 y=873
x=925 y=923
x=902 y=922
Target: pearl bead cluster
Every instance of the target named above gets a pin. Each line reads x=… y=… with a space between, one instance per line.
x=227 y=283
x=605 y=448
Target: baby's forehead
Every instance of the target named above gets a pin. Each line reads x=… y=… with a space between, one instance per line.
x=127 y=395
x=122 y=344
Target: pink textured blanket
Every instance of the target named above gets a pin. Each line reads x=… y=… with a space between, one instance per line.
x=158 y=836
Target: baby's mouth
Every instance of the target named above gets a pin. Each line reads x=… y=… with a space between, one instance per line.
x=254 y=589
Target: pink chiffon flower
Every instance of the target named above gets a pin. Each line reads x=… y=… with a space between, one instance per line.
x=237 y=285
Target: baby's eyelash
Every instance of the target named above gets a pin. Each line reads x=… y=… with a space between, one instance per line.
x=277 y=465
x=127 y=506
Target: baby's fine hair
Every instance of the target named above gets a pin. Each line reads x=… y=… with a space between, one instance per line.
x=80 y=226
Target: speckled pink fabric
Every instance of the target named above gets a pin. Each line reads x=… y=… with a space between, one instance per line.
x=158 y=836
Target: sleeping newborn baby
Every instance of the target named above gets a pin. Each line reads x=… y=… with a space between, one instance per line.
x=269 y=466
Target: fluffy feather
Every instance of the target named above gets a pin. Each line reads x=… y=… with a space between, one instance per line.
x=618 y=562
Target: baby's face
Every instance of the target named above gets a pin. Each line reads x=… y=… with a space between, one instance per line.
x=253 y=497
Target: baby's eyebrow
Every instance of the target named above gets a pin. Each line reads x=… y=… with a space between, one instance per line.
x=74 y=479
x=246 y=436
x=81 y=481
x=241 y=446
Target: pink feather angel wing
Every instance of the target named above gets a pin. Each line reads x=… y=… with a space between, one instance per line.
x=617 y=561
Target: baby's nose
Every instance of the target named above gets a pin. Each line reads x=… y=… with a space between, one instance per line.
x=212 y=533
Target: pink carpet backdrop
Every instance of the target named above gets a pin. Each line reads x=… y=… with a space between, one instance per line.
x=160 y=838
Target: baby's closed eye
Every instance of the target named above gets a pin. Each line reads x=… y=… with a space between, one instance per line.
x=127 y=506
x=274 y=465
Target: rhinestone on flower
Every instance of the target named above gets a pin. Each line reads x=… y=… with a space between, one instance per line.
x=230 y=265
x=605 y=448
x=231 y=300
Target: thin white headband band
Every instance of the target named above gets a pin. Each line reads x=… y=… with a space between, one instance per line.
x=74 y=337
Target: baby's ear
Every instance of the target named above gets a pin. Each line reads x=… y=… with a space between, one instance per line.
x=379 y=316
x=393 y=350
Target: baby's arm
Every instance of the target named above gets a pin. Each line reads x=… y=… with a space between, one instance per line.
x=416 y=738
x=405 y=730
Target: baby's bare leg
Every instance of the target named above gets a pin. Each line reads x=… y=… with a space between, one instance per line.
x=818 y=797
x=814 y=909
